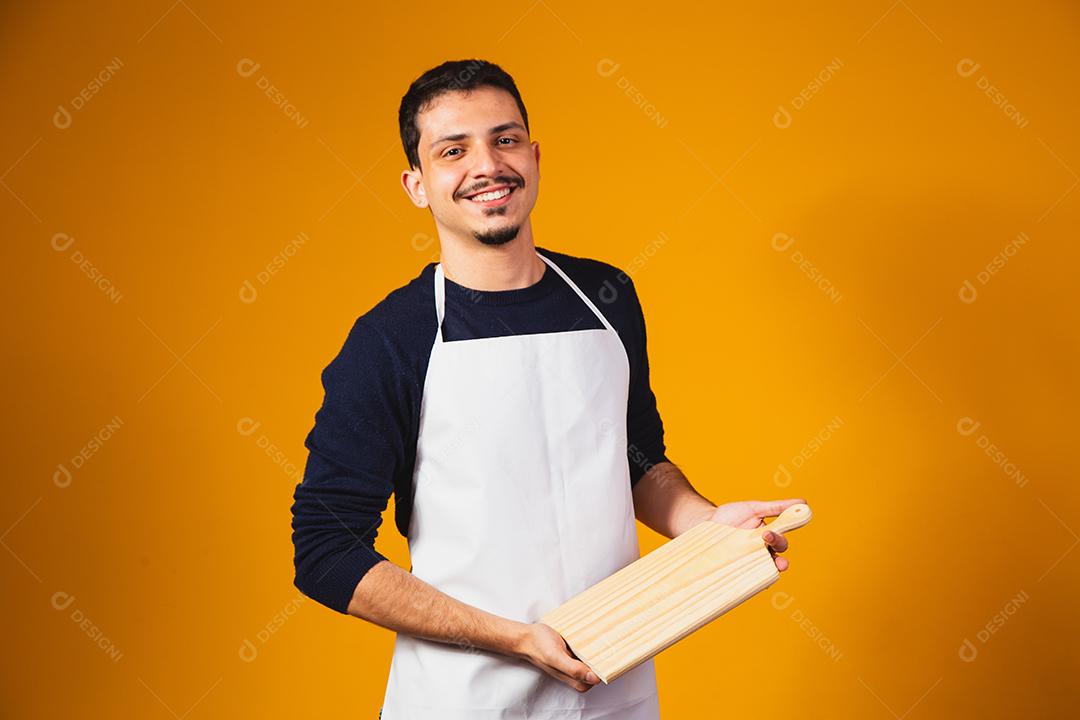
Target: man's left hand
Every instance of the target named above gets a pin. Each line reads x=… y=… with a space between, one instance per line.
x=750 y=514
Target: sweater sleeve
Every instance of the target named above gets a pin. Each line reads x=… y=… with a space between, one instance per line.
x=356 y=448
x=644 y=428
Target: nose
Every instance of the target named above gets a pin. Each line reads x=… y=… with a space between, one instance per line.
x=487 y=162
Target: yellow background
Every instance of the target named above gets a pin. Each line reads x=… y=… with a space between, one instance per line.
x=897 y=179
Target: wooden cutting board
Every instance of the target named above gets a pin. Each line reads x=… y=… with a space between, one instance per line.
x=657 y=600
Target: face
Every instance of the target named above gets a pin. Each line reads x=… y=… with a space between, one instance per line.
x=479 y=171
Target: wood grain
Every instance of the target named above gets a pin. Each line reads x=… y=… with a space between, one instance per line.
x=657 y=600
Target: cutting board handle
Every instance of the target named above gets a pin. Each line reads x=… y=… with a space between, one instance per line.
x=794 y=517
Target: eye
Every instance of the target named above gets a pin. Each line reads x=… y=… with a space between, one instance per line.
x=512 y=140
x=447 y=153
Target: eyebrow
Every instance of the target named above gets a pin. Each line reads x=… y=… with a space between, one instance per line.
x=461 y=136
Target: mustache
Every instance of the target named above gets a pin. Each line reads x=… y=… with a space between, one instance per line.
x=514 y=182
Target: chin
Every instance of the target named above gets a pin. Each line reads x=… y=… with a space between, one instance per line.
x=497 y=235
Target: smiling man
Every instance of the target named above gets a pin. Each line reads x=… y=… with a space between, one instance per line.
x=502 y=397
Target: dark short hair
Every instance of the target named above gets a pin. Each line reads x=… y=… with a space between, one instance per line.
x=453 y=75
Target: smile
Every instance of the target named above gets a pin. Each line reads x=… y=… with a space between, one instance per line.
x=492 y=198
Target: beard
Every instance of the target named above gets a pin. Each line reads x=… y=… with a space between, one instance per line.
x=497 y=236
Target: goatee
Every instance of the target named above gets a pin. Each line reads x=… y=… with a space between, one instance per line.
x=498 y=236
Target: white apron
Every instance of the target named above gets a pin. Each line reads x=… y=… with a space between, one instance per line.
x=522 y=500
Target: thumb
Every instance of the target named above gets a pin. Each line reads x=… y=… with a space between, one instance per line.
x=773 y=508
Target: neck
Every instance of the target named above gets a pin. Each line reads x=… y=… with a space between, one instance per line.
x=477 y=266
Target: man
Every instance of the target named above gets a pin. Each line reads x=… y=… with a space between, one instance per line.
x=503 y=397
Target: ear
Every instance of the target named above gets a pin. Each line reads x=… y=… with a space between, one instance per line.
x=413 y=182
x=536 y=153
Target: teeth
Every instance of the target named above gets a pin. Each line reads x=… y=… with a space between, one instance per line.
x=489 y=196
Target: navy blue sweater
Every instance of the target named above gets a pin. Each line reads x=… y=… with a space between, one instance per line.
x=362 y=447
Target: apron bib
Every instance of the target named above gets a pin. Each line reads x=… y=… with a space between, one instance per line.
x=522 y=499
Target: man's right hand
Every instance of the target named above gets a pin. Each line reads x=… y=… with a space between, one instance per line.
x=394 y=598
x=546 y=649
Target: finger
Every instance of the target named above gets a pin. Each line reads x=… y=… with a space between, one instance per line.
x=772 y=508
x=575 y=668
x=782 y=564
x=574 y=683
x=581 y=684
x=775 y=540
x=566 y=679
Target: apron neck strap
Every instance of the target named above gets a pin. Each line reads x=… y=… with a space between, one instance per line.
x=440 y=300
x=440 y=295
x=581 y=295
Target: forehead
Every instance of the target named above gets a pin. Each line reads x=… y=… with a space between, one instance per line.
x=471 y=112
